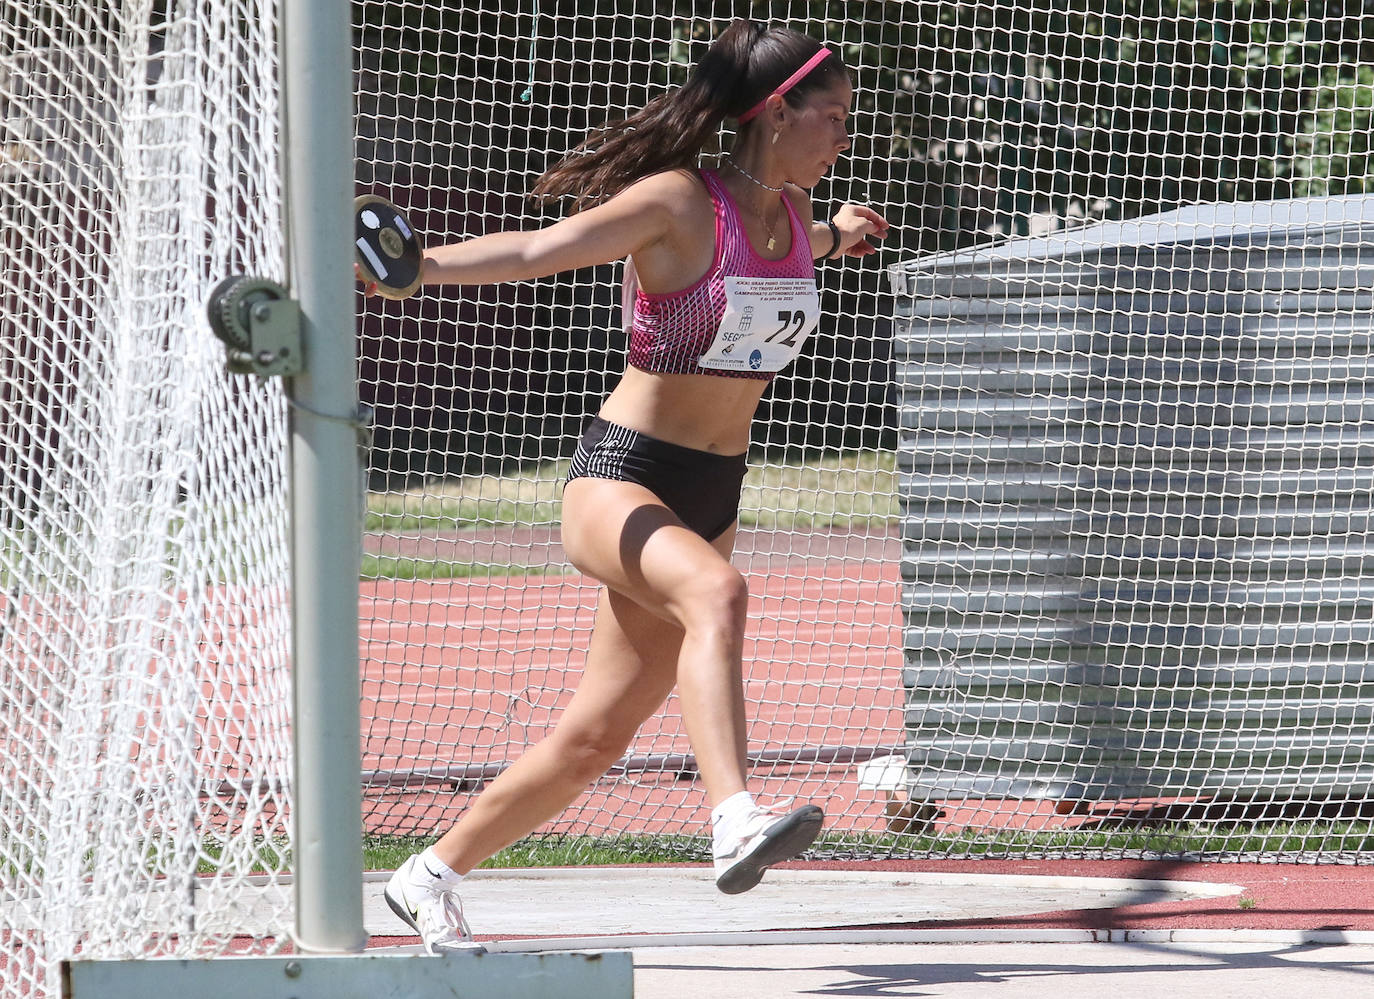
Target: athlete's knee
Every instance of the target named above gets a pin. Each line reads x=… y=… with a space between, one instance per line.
x=588 y=751
x=716 y=600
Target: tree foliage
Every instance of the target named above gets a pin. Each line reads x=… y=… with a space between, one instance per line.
x=974 y=122
x=980 y=119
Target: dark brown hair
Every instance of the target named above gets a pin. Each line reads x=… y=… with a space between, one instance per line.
x=742 y=67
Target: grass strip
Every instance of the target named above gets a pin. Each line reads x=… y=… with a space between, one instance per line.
x=406 y=568
x=1182 y=841
x=832 y=489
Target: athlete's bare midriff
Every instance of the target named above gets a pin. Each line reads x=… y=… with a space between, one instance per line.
x=705 y=412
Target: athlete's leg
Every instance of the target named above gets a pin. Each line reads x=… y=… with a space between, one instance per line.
x=621 y=534
x=630 y=669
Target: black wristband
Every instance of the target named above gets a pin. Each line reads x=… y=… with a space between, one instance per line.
x=835 y=235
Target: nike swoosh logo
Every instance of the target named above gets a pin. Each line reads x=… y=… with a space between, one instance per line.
x=405 y=901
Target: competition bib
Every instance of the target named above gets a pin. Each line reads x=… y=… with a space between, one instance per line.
x=766 y=323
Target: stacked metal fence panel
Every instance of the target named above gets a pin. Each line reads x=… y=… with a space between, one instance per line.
x=1137 y=491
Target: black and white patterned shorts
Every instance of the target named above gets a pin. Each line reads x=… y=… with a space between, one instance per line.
x=701 y=487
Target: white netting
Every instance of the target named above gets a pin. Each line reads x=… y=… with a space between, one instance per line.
x=143 y=583
x=144 y=738
x=1137 y=488
x=480 y=395
x=975 y=122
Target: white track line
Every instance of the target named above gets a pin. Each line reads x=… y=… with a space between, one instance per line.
x=766 y=938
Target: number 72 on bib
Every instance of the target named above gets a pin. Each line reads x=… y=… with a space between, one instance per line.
x=766 y=323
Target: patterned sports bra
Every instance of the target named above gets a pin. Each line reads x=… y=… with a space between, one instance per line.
x=746 y=318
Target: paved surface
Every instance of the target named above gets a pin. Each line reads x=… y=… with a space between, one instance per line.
x=600 y=902
x=948 y=934
x=1003 y=971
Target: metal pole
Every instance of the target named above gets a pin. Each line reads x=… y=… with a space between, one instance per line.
x=317 y=144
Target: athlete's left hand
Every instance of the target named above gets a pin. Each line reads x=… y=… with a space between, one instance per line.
x=859 y=226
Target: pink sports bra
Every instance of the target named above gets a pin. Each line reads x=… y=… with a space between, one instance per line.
x=668 y=333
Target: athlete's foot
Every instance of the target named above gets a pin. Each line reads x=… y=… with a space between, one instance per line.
x=430 y=908
x=765 y=838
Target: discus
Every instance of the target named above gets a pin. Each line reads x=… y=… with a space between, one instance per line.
x=385 y=247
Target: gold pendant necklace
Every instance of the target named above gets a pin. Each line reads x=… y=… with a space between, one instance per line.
x=772 y=240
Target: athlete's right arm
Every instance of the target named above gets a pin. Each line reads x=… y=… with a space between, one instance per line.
x=642 y=214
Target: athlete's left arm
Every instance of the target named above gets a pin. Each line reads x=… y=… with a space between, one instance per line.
x=859 y=226
x=856 y=223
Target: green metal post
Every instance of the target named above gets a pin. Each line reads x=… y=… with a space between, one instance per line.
x=317 y=129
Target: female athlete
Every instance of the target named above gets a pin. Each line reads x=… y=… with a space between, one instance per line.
x=721 y=295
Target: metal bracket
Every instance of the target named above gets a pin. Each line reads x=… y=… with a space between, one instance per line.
x=260 y=326
x=275 y=330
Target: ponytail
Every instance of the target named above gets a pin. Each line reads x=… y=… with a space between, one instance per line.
x=743 y=65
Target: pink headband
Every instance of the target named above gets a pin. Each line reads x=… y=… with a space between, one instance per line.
x=788 y=83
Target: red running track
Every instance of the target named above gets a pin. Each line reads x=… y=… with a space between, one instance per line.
x=474 y=670
x=469 y=672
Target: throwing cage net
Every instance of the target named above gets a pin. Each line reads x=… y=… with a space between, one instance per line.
x=144 y=790
x=975 y=124
x=144 y=678
x=474 y=624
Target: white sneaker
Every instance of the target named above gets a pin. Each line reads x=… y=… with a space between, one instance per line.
x=436 y=913
x=766 y=838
